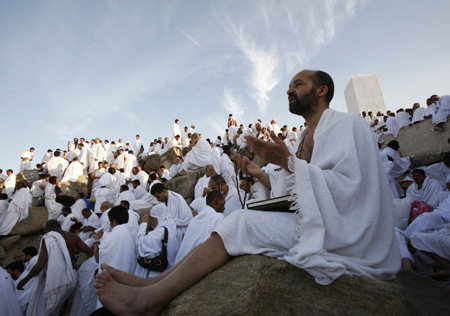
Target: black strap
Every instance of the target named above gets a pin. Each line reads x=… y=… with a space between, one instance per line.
x=166 y=236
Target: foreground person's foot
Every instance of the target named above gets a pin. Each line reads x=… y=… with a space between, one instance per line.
x=125 y=277
x=123 y=300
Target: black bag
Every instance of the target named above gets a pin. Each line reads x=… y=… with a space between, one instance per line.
x=158 y=263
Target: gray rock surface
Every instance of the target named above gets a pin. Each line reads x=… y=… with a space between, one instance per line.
x=153 y=162
x=8 y=242
x=24 y=241
x=27 y=176
x=169 y=157
x=33 y=224
x=185 y=185
x=427 y=147
x=72 y=188
x=259 y=285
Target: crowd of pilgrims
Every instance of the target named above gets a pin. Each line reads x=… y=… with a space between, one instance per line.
x=108 y=229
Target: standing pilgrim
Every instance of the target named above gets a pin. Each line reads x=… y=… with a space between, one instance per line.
x=27 y=157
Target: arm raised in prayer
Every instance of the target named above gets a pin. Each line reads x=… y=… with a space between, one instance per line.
x=274 y=152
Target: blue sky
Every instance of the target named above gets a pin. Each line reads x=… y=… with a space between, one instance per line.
x=114 y=69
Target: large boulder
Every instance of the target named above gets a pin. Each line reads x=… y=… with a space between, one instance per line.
x=153 y=162
x=185 y=185
x=170 y=157
x=259 y=285
x=33 y=224
x=8 y=242
x=20 y=244
x=27 y=176
x=72 y=188
x=427 y=147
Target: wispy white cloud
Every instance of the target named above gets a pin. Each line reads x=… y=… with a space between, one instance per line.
x=193 y=40
x=232 y=103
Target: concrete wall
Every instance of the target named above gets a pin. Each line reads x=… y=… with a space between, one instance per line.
x=363 y=93
x=427 y=147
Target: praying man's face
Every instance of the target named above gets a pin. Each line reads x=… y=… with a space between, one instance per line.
x=302 y=94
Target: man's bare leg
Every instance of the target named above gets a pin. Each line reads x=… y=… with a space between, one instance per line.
x=134 y=280
x=445 y=272
x=149 y=300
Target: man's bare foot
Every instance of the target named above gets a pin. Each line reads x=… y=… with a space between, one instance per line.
x=443 y=274
x=123 y=299
x=127 y=278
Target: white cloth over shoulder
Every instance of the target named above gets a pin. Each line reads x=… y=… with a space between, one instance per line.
x=429 y=192
x=199 y=156
x=9 y=305
x=199 y=230
x=17 y=210
x=55 y=283
x=73 y=171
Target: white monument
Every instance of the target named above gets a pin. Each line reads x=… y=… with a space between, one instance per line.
x=363 y=93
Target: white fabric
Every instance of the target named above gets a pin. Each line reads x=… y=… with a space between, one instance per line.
x=199 y=156
x=85 y=299
x=232 y=202
x=83 y=158
x=36 y=190
x=137 y=146
x=227 y=170
x=91 y=221
x=54 y=208
x=391 y=126
x=179 y=211
x=435 y=242
x=73 y=171
x=9 y=185
x=77 y=207
x=125 y=195
x=24 y=295
x=340 y=197
x=175 y=169
x=3 y=206
x=9 y=305
x=402 y=120
x=401 y=164
x=56 y=281
x=429 y=192
x=439 y=172
x=442 y=110
x=139 y=192
x=418 y=115
x=436 y=219
x=201 y=184
x=199 y=230
x=17 y=210
x=176 y=130
x=150 y=244
x=56 y=166
x=95 y=155
x=145 y=201
x=26 y=164
x=104 y=192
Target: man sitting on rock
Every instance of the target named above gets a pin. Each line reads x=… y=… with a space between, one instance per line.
x=17 y=209
x=199 y=156
x=424 y=189
x=344 y=223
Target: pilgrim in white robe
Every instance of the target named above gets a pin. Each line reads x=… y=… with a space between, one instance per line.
x=137 y=146
x=199 y=230
x=125 y=195
x=54 y=284
x=401 y=164
x=340 y=197
x=216 y=154
x=395 y=187
x=17 y=211
x=431 y=110
x=418 y=115
x=92 y=221
x=26 y=159
x=85 y=299
x=95 y=186
x=145 y=201
x=9 y=305
x=130 y=163
x=199 y=156
x=95 y=156
x=142 y=176
x=391 y=126
x=227 y=170
x=83 y=158
x=24 y=295
x=46 y=157
x=4 y=204
x=9 y=185
x=120 y=161
x=117 y=249
x=104 y=192
x=442 y=110
x=73 y=171
x=150 y=244
x=176 y=130
x=200 y=186
x=429 y=193
x=54 y=208
x=179 y=211
x=56 y=167
x=232 y=202
x=174 y=169
x=402 y=120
